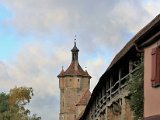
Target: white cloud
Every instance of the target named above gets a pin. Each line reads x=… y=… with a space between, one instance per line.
x=94 y=21
x=36 y=66
x=95 y=69
x=152 y=7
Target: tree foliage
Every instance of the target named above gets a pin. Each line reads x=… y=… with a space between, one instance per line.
x=20 y=96
x=136 y=90
x=3 y=102
x=12 y=104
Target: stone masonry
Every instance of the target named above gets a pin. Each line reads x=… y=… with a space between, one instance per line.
x=74 y=84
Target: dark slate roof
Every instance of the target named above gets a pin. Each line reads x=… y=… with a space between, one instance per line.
x=138 y=39
x=127 y=47
x=155 y=23
x=75 y=49
x=148 y=34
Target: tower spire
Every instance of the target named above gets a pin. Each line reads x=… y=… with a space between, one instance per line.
x=75 y=51
x=75 y=83
x=61 y=73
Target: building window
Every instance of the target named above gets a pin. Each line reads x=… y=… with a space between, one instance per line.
x=155 y=73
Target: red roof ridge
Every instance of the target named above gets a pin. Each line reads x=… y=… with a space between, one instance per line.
x=72 y=71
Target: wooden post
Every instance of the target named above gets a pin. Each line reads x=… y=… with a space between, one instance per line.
x=130 y=68
x=107 y=87
x=119 y=79
x=111 y=81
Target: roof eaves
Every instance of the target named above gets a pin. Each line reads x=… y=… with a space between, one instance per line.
x=146 y=29
x=124 y=51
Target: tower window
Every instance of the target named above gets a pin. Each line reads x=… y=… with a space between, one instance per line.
x=155 y=79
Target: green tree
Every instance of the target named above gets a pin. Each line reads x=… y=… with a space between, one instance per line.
x=4 y=102
x=20 y=96
x=136 y=89
x=12 y=105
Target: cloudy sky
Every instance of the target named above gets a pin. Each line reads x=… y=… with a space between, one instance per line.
x=36 y=37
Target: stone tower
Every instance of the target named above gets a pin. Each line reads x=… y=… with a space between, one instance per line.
x=74 y=84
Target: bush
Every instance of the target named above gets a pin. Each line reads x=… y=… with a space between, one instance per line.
x=136 y=90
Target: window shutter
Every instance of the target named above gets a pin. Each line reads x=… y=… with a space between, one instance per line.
x=155 y=77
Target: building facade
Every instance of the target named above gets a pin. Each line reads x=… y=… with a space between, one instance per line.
x=110 y=98
x=74 y=84
x=149 y=43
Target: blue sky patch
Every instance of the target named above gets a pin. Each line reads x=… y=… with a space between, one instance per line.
x=5 y=12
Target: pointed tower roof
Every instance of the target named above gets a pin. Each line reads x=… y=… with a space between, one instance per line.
x=73 y=71
x=75 y=68
x=61 y=74
x=75 y=49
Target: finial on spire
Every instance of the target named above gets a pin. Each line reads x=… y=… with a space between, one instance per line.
x=75 y=49
x=75 y=39
x=62 y=67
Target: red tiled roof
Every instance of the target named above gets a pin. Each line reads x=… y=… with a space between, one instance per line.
x=85 y=98
x=74 y=68
x=61 y=73
x=72 y=71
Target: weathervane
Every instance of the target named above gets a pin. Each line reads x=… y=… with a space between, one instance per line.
x=75 y=39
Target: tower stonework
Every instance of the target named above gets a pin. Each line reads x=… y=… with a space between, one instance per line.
x=74 y=84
